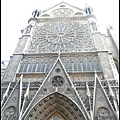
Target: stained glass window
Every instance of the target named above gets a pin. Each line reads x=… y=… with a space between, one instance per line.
x=61 y=36
x=71 y=64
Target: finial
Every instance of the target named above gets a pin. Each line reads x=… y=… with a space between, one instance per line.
x=3 y=63
x=94 y=70
x=88 y=9
x=110 y=27
x=21 y=76
x=86 y=5
x=59 y=53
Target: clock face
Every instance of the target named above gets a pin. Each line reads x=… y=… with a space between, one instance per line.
x=61 y=36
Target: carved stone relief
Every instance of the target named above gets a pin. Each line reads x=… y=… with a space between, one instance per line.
x=10 y=111
x=77 y=77
x=68 y=90
x=56 y=117
x=54 y=103
x=63 y=12
x=57 y=81
x=31 y=78
x=44 y=90
x=103 y=113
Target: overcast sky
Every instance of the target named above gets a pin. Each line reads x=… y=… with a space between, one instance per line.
x=15 y=15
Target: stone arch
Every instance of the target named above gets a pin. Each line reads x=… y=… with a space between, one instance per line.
x=55 y=104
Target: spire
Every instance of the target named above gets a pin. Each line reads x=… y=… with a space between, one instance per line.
x=88 y=9
x=26 y=96
x=36 y=13
x=6 y=94
x=89 y=98
x=21 y=79
x=113 y=99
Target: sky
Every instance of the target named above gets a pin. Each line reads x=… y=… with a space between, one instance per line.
x=16 y=13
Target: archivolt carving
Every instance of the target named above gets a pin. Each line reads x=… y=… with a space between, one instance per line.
x=56 y=103
x=56 y=117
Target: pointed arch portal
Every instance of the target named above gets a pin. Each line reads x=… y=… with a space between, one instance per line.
x=55 y=107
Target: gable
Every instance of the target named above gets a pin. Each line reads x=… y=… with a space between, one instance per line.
x=102 y=107
x=62 y=10
x=57 y=81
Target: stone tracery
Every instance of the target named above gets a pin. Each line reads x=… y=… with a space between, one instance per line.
x=61 y=36
x=62 y=12
x=71 y=63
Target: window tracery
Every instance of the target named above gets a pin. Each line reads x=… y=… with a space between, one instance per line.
x=57 y=81
x=36 y=64
x=61 y=36
x=64 y=12
x=72 y=64
x=82 y=63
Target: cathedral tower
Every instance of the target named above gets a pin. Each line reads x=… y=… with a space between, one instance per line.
x=63 y=68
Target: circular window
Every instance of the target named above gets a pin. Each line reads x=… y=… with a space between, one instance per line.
x=103 y=112
x=61 y=36
x=9 y=111
x=57 y=81
x=57 y=70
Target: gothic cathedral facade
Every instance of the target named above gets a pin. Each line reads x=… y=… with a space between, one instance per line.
x=63 y=68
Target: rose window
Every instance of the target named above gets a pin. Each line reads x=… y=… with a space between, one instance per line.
x=9 y=111
x=61 y=36
x=57 y=81
x=103 y=112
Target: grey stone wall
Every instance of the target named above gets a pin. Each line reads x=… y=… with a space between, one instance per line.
x=105 y=63
x=98 y=41
x=21 y=44
x=12 y=68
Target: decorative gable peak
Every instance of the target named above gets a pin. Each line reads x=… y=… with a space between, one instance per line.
x=60 y=10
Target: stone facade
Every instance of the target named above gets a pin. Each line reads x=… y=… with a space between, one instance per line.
x=63 y=68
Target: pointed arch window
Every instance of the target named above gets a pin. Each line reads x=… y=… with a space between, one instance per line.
x=34 y=65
